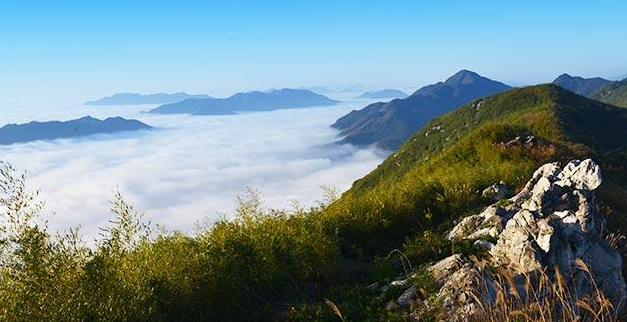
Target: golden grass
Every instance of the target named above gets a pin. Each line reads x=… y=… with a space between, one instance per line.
x=538 y=298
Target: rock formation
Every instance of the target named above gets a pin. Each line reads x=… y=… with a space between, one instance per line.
x=496 y=191
x=551 y=227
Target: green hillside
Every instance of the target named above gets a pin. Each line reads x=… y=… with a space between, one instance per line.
x=433 y=178
x=282 y=264
x=415 y=195
x=614 y=93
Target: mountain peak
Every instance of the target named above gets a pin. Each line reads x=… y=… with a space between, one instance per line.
x=564 y=76
x=464 y=76
x=389 y=124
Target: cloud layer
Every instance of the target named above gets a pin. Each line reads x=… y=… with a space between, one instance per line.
x=190 y=168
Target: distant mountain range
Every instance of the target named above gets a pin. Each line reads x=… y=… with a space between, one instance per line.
x=247 y=102
x=389 y=124
x=320 y=89
x=582 y=86
x=336 y=89
x=33 y=131
x=138 y=99
x=614 y=93
x=383 y=94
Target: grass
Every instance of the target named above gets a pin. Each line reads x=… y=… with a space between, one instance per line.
x=270 y=264
x=540 y=298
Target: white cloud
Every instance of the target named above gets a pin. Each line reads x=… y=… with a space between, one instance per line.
x=188 y=168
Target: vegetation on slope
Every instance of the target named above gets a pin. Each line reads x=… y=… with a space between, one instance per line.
x=282 y=265
x=615 y=94
x=433 y=178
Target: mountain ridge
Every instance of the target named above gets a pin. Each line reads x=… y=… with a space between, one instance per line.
x=579 y=85
x=384 y=93
x=388 y=124
x=51 y=130
x=139 y=99
x=255 y=101
x=432 y=178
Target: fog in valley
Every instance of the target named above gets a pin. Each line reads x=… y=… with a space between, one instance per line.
x=187 y=169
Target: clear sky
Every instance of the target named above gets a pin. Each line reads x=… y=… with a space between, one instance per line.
x=87 y=49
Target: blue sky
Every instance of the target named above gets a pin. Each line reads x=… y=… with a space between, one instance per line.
x=85 y=49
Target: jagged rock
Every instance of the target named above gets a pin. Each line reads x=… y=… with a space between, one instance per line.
x=517 y=246
x=496 y=191
x=552 y=222
x=445 y=267
x=457 y=294
x=460 y=281
x=585 y=175
x=558 y=222
x=489 y=223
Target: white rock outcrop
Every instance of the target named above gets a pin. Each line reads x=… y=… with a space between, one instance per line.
x=496 y=191
x=547 y=226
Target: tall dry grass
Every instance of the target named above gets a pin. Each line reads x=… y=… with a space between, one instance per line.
x=536 y=297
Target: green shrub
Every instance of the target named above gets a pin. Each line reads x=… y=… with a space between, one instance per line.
x=269 y=264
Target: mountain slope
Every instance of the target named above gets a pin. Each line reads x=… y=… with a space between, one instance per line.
x=615 y=94
x=388 y=124
x=579 y=85
x=351 y=255
x=33 y=131
x=382 y=94
x=138 y=99
x=433 y=177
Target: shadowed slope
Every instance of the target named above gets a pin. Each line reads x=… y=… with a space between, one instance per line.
x=388 y=124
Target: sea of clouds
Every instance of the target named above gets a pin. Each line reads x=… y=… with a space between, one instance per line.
x=188 y=169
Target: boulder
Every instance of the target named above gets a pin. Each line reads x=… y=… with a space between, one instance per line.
x=446 y=267
x=489 y=223
x=456 y=295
